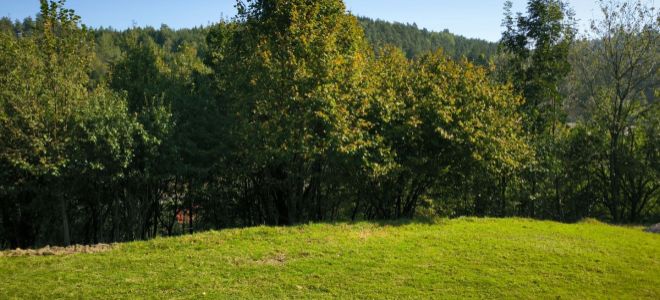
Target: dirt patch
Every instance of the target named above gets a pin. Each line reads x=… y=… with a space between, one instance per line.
x=277 y=259
x=368 y=233
x=48 y=250
x=653 y=229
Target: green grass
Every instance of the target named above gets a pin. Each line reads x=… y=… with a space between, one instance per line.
x=462 y=258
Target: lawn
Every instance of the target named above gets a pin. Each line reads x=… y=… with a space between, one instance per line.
x=460 y=258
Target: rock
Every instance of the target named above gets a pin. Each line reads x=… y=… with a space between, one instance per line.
x=653 y=229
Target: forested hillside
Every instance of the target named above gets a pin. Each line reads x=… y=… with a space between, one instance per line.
x=412 y=40
x=292 y=113
x=415 y=41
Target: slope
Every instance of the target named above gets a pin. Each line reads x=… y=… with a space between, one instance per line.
x=467 y=257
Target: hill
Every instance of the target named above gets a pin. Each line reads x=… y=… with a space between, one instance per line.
x=467 y=257
x=413 y=40
x=416 y=41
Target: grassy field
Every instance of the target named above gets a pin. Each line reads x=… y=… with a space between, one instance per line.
x=461 y=258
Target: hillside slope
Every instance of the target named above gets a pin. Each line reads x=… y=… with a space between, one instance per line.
x=416 y=41
x=484 y=258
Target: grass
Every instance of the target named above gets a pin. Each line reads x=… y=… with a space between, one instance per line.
x=461 y=258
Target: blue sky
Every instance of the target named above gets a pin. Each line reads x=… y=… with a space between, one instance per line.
x=471 y=18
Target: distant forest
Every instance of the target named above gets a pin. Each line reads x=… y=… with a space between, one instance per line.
x=295 y=111
x=408 y=37
x=415 y=41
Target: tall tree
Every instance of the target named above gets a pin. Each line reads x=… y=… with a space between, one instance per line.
x=292 y=75
x=536 y=47
x=46 y=94
x=617 y=74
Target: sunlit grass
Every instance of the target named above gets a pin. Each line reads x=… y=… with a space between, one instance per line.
x=469 y=257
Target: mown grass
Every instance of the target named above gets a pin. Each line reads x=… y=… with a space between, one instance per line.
x=462 y=258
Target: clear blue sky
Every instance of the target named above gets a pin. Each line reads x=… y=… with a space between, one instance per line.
x=471 y=18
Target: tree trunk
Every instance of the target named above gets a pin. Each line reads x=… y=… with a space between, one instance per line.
x=66 y=237
x=503 y=185
x=190 y=211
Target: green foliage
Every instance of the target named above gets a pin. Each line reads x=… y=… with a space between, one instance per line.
x=296 y=111
x=618 y=71
x=416 y=42
x=439 y=122
x=40 y=115
x=55 y=125
x=534 y=57
x=312 y=113
x=538 y=44
x=292 y=76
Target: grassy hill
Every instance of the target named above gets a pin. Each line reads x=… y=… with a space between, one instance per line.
x=468 y=257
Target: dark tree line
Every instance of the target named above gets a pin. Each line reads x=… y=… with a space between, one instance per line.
x=295 y=111
x=416 y=42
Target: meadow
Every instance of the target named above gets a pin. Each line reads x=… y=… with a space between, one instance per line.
x=458 y=258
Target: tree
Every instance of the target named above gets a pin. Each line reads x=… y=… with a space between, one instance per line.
x=442 y=123
x=45 y=99
x=102 y=149
x=618 y=70
x=38 y=117
x=292 y=74
x=536 y=47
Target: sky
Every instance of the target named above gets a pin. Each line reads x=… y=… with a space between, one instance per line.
x=470 y=18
